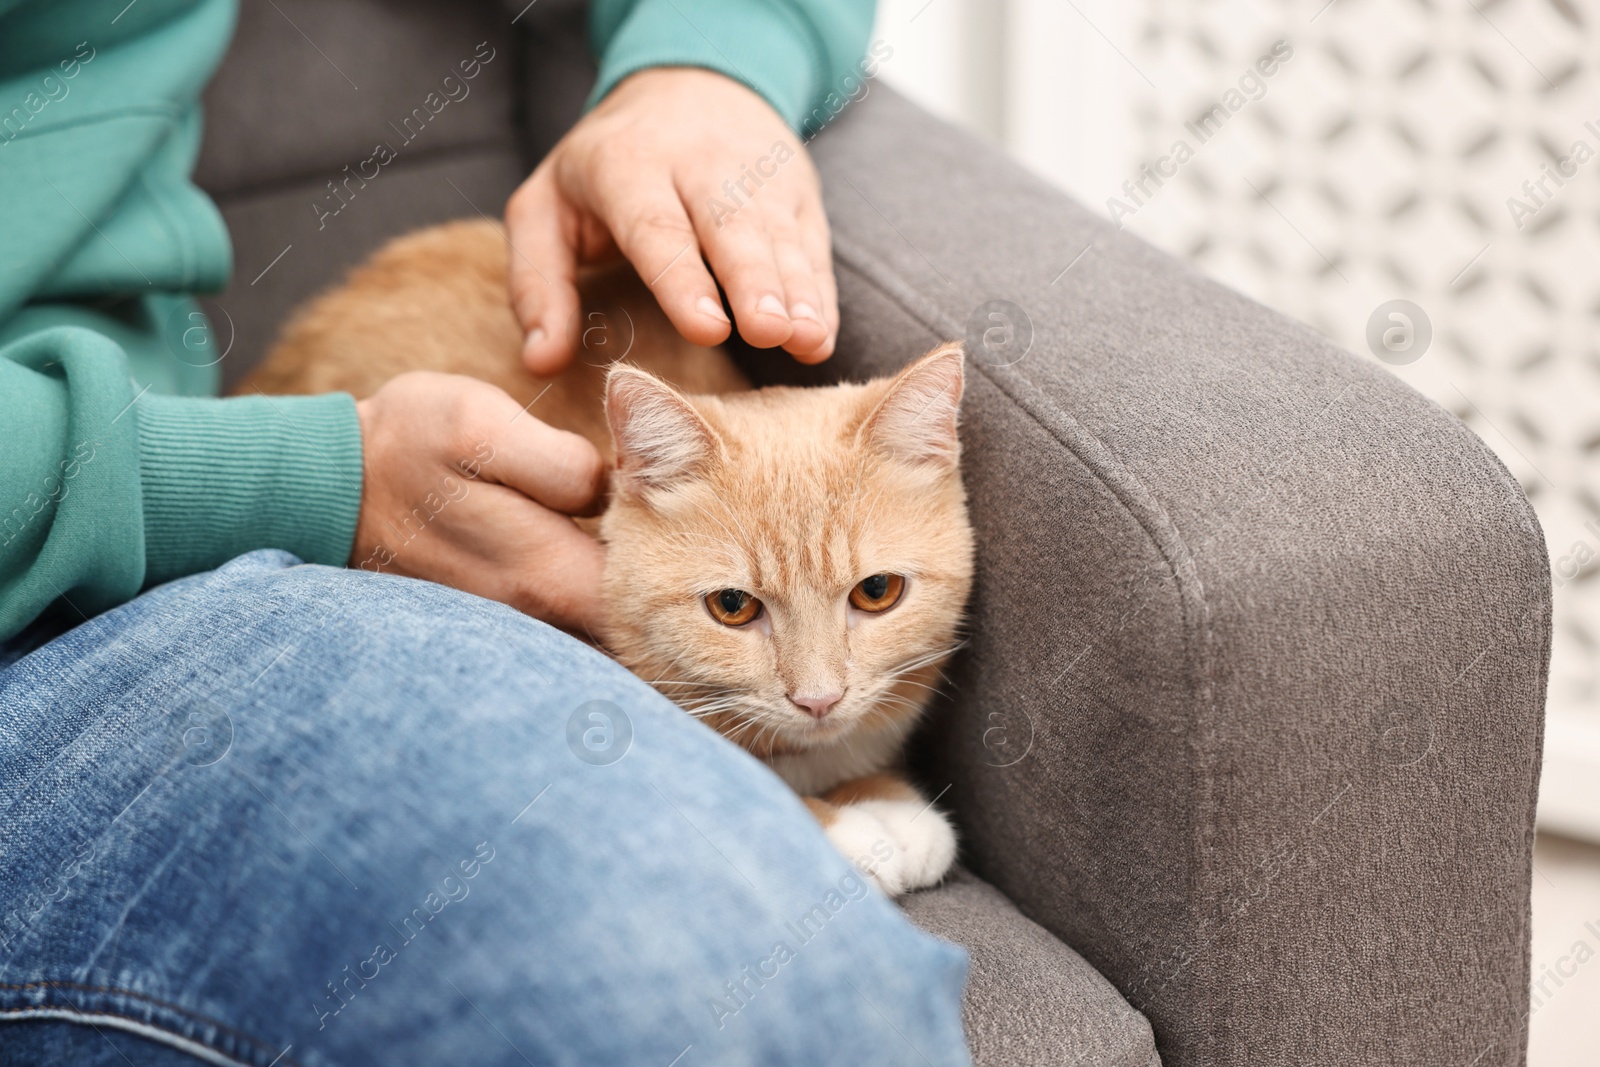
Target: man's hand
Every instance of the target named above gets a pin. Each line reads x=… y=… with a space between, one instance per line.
x=675 y=164
x=462 y=488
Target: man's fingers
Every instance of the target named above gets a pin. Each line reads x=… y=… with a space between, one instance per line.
x=558 y=469
x=650 y=226
x=812 y=227
x=512 y=550
x=805 y=300
x=544 y=291
x=741 y=253
x=560 y=580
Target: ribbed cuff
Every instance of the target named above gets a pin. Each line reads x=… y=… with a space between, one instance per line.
x=768 y=47
x=224 y=477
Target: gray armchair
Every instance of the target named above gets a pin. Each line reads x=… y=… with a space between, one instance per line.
x=1245 y=744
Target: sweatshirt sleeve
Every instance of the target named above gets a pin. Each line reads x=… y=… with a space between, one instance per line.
x=806 y=57
x=109 y=488
x=115 y=471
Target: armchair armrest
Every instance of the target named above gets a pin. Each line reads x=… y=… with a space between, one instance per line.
x=1252 y=709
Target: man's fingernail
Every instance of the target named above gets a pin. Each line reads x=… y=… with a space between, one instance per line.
x=707 y=306
x=803 y=310
x=771 y=305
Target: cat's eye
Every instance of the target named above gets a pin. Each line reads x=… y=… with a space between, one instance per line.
x=878 y=593
x=733 y=607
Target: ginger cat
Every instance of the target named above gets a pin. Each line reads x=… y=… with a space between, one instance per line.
x=788 y=565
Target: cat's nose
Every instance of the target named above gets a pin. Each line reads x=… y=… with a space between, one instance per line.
x=817 y=705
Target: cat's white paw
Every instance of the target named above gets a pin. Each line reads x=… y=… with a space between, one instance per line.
x=925 y=839
x=869 y=845
x=900 y=845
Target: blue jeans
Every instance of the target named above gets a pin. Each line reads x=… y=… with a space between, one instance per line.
x=281 y=814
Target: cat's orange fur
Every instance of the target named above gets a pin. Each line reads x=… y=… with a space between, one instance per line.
x=792 y=495
x=436 y=300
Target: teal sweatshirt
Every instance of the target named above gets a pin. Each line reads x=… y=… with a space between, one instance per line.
x=119 y=468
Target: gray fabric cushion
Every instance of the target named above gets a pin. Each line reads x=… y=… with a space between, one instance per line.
x=1030 y=1000
x=311 y=87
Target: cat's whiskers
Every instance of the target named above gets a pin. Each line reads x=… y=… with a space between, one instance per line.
x=706 y=700
x=700 y=711
x=776 y=726
x=754 y=719
x=751 y=720
x=741 y=725
x=684 y=682
x=882 y=705
x=884 y=700
x=922 y=659
x=725 y=698
x=702 y=706
x=919 y=685
x=670 y=664
x=734 y=710
x=879 y=711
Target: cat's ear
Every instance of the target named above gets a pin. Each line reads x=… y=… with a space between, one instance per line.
x=916 y=419
x=660 y=438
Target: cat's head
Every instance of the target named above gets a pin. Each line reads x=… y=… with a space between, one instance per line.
x=790 y=564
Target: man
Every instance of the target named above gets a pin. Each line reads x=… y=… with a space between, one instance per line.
x=268 y=813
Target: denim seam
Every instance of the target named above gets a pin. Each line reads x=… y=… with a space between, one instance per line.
x=137 y=1027
x=154 y=1002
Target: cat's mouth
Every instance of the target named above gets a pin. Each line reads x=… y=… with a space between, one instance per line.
x=829 y=728
x=862 y=715
x=768 y=725
x=768 y=729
